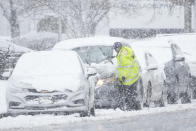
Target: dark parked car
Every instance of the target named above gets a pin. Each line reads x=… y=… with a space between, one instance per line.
x=178 y=77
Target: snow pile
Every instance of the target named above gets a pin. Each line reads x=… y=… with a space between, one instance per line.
x=3 y=107
x=38 y=40
x=41 y=120
x=49 y=70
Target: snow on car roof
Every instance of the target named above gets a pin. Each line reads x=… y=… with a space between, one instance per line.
x=156 y=52
x=49 y=70
x=88 y=41
x=6 y=44
x=160 y=46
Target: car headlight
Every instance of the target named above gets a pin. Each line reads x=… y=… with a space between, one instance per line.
x=29 y=90
x=100 y=82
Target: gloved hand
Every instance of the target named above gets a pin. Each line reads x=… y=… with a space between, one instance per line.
x=117 y=83
x=123 y=78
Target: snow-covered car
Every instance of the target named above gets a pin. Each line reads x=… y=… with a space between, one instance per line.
x=153 y=77
x=178 y=76
x=97 y=52
x=51 y=82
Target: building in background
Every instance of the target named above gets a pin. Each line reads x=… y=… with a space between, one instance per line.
x=146 y=22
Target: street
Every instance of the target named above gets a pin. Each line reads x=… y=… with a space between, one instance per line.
x=176 y=121
x=171 y=118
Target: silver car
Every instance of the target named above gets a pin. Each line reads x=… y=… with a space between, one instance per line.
x=51 y=82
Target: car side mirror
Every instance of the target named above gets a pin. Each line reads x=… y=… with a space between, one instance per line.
x=179 y=59
x=90 y=72
x=152 y=67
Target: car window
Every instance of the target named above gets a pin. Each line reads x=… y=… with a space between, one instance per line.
x=94 y=54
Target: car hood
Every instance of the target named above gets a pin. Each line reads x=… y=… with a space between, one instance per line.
x=49 y=83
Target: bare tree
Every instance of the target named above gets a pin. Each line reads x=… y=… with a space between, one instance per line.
x=81 y=17
x=10 y=9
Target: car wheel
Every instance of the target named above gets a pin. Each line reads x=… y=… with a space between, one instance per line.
x=194 y=94
x=139 y=102
x=84 y=114
x=92 y=111
x=163 y=101
x=149 y=94
x=186 y=97
x=139 y=105
x=172 y=98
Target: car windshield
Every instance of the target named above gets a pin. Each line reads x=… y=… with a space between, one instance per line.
x=94 y=54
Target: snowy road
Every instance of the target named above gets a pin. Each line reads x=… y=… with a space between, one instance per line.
x=176 y=121
x=173 y=117
x=167 y=121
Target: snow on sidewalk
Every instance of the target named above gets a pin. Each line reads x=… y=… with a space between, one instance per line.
x=101 y=114
x=3 y=107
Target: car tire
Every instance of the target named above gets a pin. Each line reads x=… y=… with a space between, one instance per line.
x=139 y=102
x=194 y=94
x=186 y=98
x=172 y=98
x=163 y=101
x=149 y=94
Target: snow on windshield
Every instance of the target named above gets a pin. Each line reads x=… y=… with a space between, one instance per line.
x=48 y=63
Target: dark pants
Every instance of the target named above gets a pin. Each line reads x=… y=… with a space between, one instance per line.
x=127 y=98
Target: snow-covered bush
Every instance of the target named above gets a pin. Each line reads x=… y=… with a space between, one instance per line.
x=8 y=61
x=9 y=54
x=37 y=41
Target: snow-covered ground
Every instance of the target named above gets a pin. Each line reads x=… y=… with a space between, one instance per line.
x=101 y=114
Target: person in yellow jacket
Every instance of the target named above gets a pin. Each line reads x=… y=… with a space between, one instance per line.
x=129 y=82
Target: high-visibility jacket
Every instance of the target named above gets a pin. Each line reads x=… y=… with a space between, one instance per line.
x=128 y=66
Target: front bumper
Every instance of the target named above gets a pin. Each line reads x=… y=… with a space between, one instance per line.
x=20 y=102
x=48 y=111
